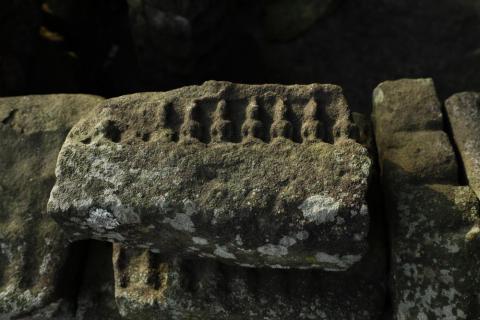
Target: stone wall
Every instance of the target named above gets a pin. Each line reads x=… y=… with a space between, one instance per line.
x=228 y=201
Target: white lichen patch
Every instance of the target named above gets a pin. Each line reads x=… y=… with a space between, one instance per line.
x=123 y=214
x=238 y=240
x=100 y=218
x=287 y=241
x=273 y=250
x=364 y=210
x=44 y=266
x=337 y=262
x=189 y=207
x=200 y=241
x=320 y=209
x=302 y=235
x=102 y=169
x=222 y=252
x=181 y=222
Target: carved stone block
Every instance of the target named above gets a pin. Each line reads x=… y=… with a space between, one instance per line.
x=255 y=175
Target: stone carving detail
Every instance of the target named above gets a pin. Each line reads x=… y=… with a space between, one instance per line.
x=222 y=129
x=150 y=285
x=312 y=128
x=191 y=128
x=281 y=127
x=245 y=201
x=252 y=127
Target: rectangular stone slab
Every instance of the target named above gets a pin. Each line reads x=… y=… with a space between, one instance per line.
x=252 y=175
x=433 y=222
x=434 y=265
x=463 y=111
x=33 y=248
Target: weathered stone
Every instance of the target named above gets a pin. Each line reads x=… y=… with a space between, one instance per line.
x=95 y=299
x=149 y=285
x=408 y=123
x=434 y=268
x=405 y=105
x=433 y=249
x=364 y=130
x=32 y=247
x=420 y=157
x=463 y=111
x=253 y=175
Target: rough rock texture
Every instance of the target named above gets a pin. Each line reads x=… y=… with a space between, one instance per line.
x=463 y=111
x=433 y=266
x=254 y=175
x=409 y=133
x=432 y=226
x=33 y=249
x=149 y=285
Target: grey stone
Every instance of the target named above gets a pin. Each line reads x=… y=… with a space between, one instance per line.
x=434 y=266
x=433 y=221
x=155 y=286
x=260 y=175
x=405 y=105
x=33 y=249
x=408 y=124
x=420 y=157
x=463 y=111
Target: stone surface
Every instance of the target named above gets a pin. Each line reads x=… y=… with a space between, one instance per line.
x=432 y=220
x=149 y=285
x=405 y=105
x=254 y=175
x=420 y=157
x=433 y=266
x=408 y=123
x=463 y=111
x=33 y=249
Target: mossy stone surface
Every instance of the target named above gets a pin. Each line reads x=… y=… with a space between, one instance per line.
x=32 y=246
x=147 y=170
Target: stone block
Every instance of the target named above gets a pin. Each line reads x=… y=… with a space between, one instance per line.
x=463 y=110
x=33 y=249
x=255 y=175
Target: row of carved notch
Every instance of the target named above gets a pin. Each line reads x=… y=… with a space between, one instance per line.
x=222 y=128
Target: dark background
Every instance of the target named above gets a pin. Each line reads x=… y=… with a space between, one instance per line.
x=115 y=47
